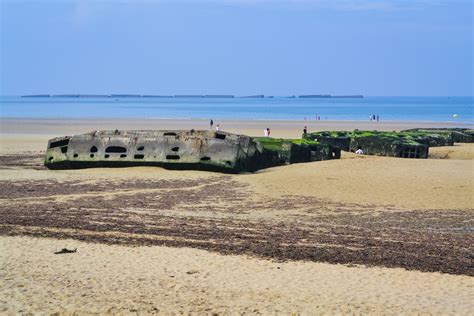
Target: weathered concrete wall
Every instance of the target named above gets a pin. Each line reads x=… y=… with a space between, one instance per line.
x=340 y=140
x=278 y=151
x=458 y=135
x=380 y=146
x=200 y=150
x=205 y=150
x=394 y=144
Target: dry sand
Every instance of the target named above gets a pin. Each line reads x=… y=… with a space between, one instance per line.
x=457 y=152
x=408 y=183
x=386 y=205
x=117 y=279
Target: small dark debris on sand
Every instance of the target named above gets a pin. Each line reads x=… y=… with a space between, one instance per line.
x=65 y=250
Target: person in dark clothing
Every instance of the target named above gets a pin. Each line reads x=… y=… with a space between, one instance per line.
x=211 y=123
x=305 y=131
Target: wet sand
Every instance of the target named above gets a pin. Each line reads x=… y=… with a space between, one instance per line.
x=357 y=235
x=288 y=129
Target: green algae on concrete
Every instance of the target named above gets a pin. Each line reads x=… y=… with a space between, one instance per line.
x=458 y=135
x=336 y=139
x=391 y=144
x=413 y=143
x=277 y=151
x=394 y=144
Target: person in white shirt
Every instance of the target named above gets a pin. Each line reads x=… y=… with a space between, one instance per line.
x=265 y=132
x=359 y=151
x=218 y=128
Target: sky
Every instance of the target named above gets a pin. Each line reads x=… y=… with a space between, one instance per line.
x=241 y=47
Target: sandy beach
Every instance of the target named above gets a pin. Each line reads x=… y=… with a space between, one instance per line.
x=363 y=234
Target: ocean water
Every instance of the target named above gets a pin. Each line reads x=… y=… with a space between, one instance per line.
x=439 y=109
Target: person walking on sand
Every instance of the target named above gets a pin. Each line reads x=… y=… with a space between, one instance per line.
x=211 y=123
x=268 y=132
x=265 y=132
x=218 y=128
x=305 y=131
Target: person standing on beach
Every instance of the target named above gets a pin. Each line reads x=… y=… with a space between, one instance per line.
x=218 y=128
x=377 y=117
x=265 y=132
x=305 y=131
x=268 y=132
x=211 y=123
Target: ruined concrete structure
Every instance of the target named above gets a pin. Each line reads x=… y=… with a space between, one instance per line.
x=413 y=143
x=458 y=135
x=338 y=139
x=190 y=149
x=388 y=144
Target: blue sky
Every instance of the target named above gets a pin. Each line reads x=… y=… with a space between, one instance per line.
x=276 y=47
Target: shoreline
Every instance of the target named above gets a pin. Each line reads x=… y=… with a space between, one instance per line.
x=223 y=120
x=279 y=128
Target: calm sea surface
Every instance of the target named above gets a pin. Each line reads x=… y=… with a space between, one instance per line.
x=441 y=109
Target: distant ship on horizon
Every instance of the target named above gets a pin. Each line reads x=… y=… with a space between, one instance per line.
x=208 y=96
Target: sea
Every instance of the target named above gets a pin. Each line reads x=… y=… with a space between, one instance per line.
x=434 y=109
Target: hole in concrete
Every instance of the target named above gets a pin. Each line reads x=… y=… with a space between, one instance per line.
x=169 y=134
x=75 y=155
x=59 y=143
x=175 y=148
x=140 y=148
x=123 y=156
x=91 y=155
x=205 y=158
x=93 y=149
x=50 y=158
x=107 y=156
x=115 y=149
x=172 y=157
x=64 y=149
x=220 y=136
x=139 y=156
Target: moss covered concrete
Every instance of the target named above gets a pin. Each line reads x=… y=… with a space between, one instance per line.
x=407 y=144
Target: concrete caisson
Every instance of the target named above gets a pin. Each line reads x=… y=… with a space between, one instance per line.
x=206 y=150
x=181 y=149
